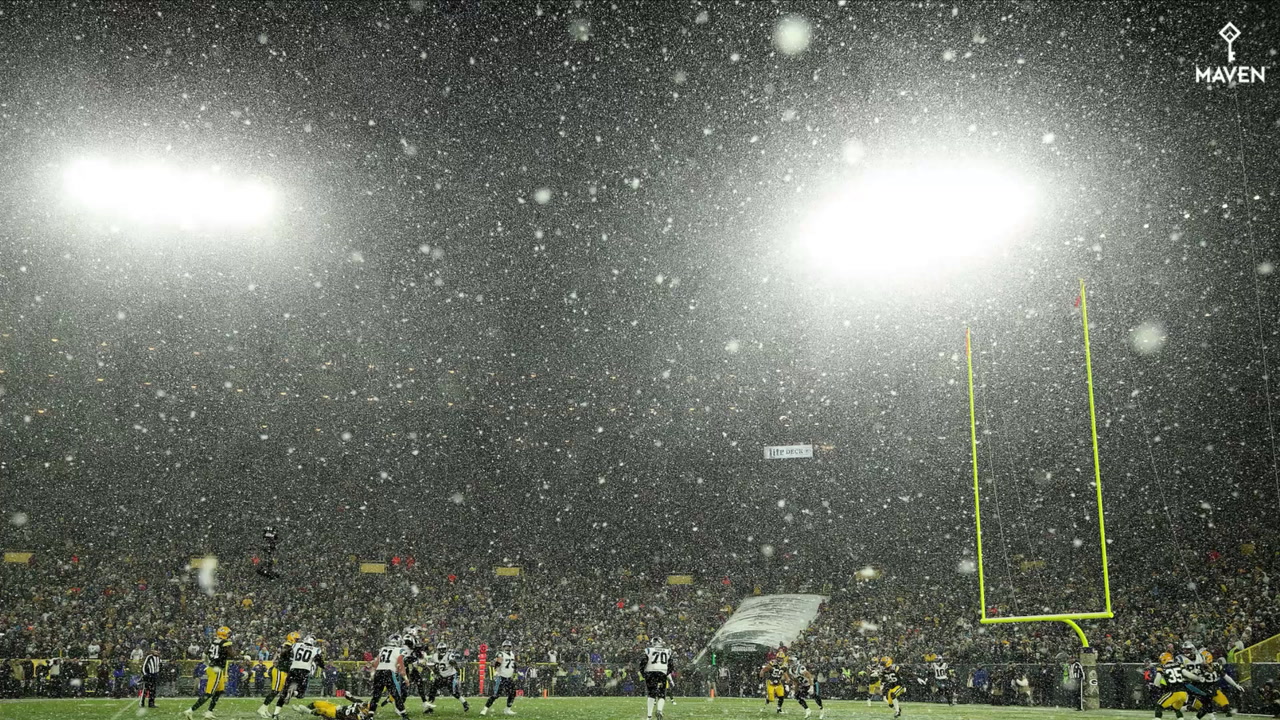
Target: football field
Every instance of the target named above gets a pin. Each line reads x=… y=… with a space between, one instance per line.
x=560 y=709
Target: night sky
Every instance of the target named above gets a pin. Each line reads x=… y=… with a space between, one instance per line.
x=531 y=289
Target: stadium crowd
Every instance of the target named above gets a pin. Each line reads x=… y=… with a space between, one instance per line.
x=117 y=607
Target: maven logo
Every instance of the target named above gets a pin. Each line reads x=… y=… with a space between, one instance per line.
x=1231 y=73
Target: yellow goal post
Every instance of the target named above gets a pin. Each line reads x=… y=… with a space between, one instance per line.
x=1069 y=618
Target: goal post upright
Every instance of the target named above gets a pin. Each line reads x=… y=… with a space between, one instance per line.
x=1069 y=618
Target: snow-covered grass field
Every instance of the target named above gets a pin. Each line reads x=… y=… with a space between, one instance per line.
x=562 y=709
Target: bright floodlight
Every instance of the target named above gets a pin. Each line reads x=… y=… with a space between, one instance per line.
x=158 y=194
x=916 y=219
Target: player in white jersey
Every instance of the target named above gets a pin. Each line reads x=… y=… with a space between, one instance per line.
x=942 y=678
x=656 y=667
x=504 y=678
x=304 y=658
x=445 y=665
x=805 y=687
x=389 y=673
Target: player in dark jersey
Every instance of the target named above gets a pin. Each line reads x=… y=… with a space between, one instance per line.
x=215 y=673
x=416 y=664
x=1172 y=678
x=279 y=672
x=1216 y=680
x=892 y=686
x=774 y=674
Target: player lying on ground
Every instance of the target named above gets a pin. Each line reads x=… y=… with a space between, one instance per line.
x=357 y=710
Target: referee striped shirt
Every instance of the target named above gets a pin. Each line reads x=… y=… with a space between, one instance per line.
x=151 y=666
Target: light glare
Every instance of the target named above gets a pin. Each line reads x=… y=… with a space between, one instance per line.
x=916 y=219
x=159 y=194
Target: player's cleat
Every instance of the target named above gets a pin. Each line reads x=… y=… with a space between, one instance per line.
x=208 y=715
x=822 y=714
x=484 y=711
x=263 y=712
x=188 y=714
x=807 y=713
x=508 y=711
x=659 y=715
x=466 y=707
x=302 y=709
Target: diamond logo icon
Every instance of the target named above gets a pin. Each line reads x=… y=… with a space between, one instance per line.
x=1230 y=32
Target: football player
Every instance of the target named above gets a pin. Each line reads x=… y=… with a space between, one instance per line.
x=504 y=678
x=774 y=674
x=389 y=673
x=215 y=672
x=1169 y=678
x=1216 y=680
x=656 y=668
x=892 y=686
x=445 y=664
x=279 y=672
x=804 y=687
x=416 y=664
x=304 y=658
x=357 y=710
x=942 y=678
x=1192 y=662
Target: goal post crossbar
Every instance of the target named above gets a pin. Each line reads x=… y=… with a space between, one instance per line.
x=1070 y=617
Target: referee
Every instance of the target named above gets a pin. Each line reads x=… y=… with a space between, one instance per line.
x=150 y=678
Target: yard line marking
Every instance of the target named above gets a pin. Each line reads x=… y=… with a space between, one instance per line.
x=120 y=712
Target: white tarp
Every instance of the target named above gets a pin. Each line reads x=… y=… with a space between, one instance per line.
x=767 y=621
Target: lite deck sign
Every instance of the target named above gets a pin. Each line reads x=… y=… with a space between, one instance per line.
x=786 y=452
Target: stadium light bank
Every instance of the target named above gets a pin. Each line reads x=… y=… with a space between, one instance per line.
x=158 y=194
x=915 y=219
